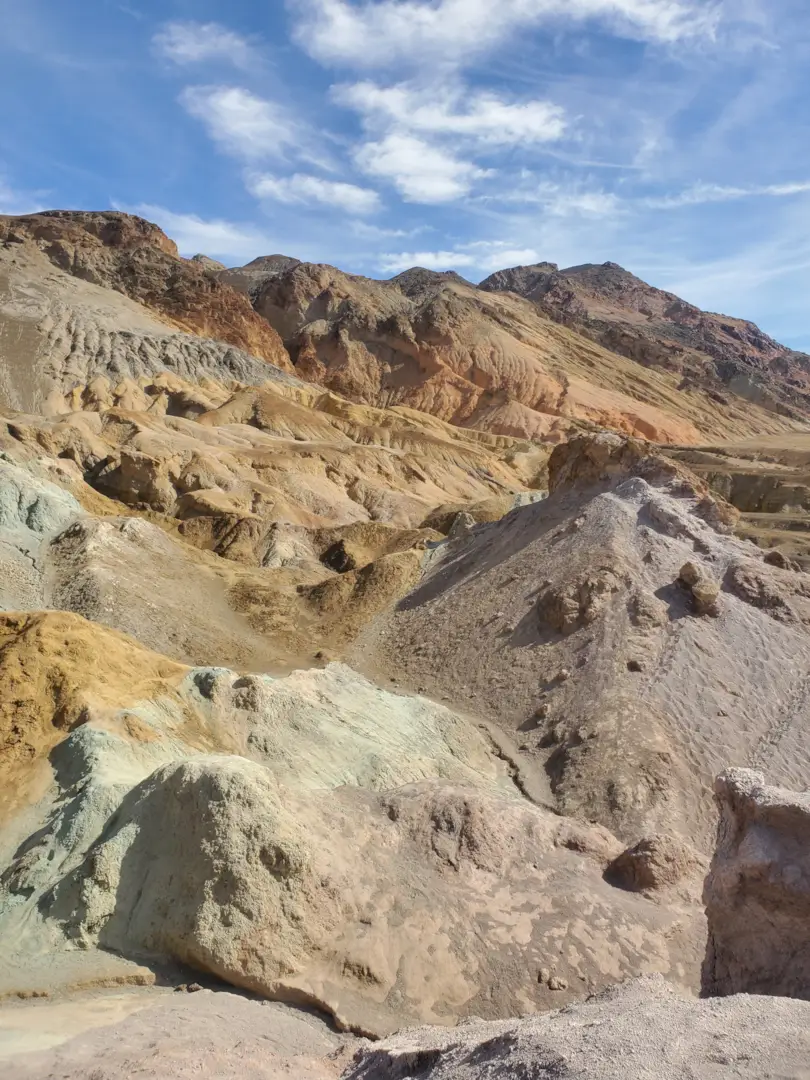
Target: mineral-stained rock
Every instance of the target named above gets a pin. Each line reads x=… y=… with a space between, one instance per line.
x=716 y=355
x=757 y=893
x=126 y=253
x=578 y=603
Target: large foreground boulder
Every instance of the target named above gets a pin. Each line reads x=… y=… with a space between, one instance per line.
x=757 y=893
x=430 y=903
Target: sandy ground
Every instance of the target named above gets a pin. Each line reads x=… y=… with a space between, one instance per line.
x=157 y=1033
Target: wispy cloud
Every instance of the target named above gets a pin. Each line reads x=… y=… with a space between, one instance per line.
x=306 y=190
x=193 y=42
x=212 y=236
x=420 y=32
x=559 y=200
x=420 y=172
x=457 y=111
x=240 y=123
x=366 y=231
x=700 y=194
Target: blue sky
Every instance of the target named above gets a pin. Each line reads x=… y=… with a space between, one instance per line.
x=670 y=136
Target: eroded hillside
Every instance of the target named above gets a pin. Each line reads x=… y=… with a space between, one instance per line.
x=306 y=689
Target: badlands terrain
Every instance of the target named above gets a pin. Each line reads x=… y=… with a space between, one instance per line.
x=397 y=678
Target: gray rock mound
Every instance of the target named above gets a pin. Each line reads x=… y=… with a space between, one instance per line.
x=622 y=688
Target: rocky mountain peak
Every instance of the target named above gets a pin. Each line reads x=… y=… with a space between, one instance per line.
x=418 y=279
x=112 y=228
x=132 y=256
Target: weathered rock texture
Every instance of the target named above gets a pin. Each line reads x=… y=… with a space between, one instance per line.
x=407 y=905
x=757 y=893
x=768 y=480
x=313 y=838
x=167 y=1036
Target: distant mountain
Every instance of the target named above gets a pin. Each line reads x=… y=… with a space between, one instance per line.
x=510 y=364
x=533 y=353
x=715 y=353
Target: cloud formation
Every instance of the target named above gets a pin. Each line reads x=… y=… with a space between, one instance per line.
x=315 y=191
x=481 y=116
x=420 y=172
x=213 y=236
x=700 y=194
x=420 y=32
x=193 y=42
x=480 y=255
x=240 y=123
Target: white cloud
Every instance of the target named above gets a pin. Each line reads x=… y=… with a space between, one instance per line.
x=420 y=172
x=193 y=42
x=482 y=116
x=240 y=123
x=368 y=34
x=194 y=234
x=700 y=194
x=430 y=260
x=309 y=190
x=482 y=255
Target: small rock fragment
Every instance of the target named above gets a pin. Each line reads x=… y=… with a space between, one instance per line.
x=690 y=574
x=655 y=862
x=778 y=558
x=705 y=591
x=706 y=594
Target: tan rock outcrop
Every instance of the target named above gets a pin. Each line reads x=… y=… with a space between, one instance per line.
x=757 y=893
x=656 y=862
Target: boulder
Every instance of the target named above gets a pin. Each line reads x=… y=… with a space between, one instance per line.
x=656 y=862
x=705 y=592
